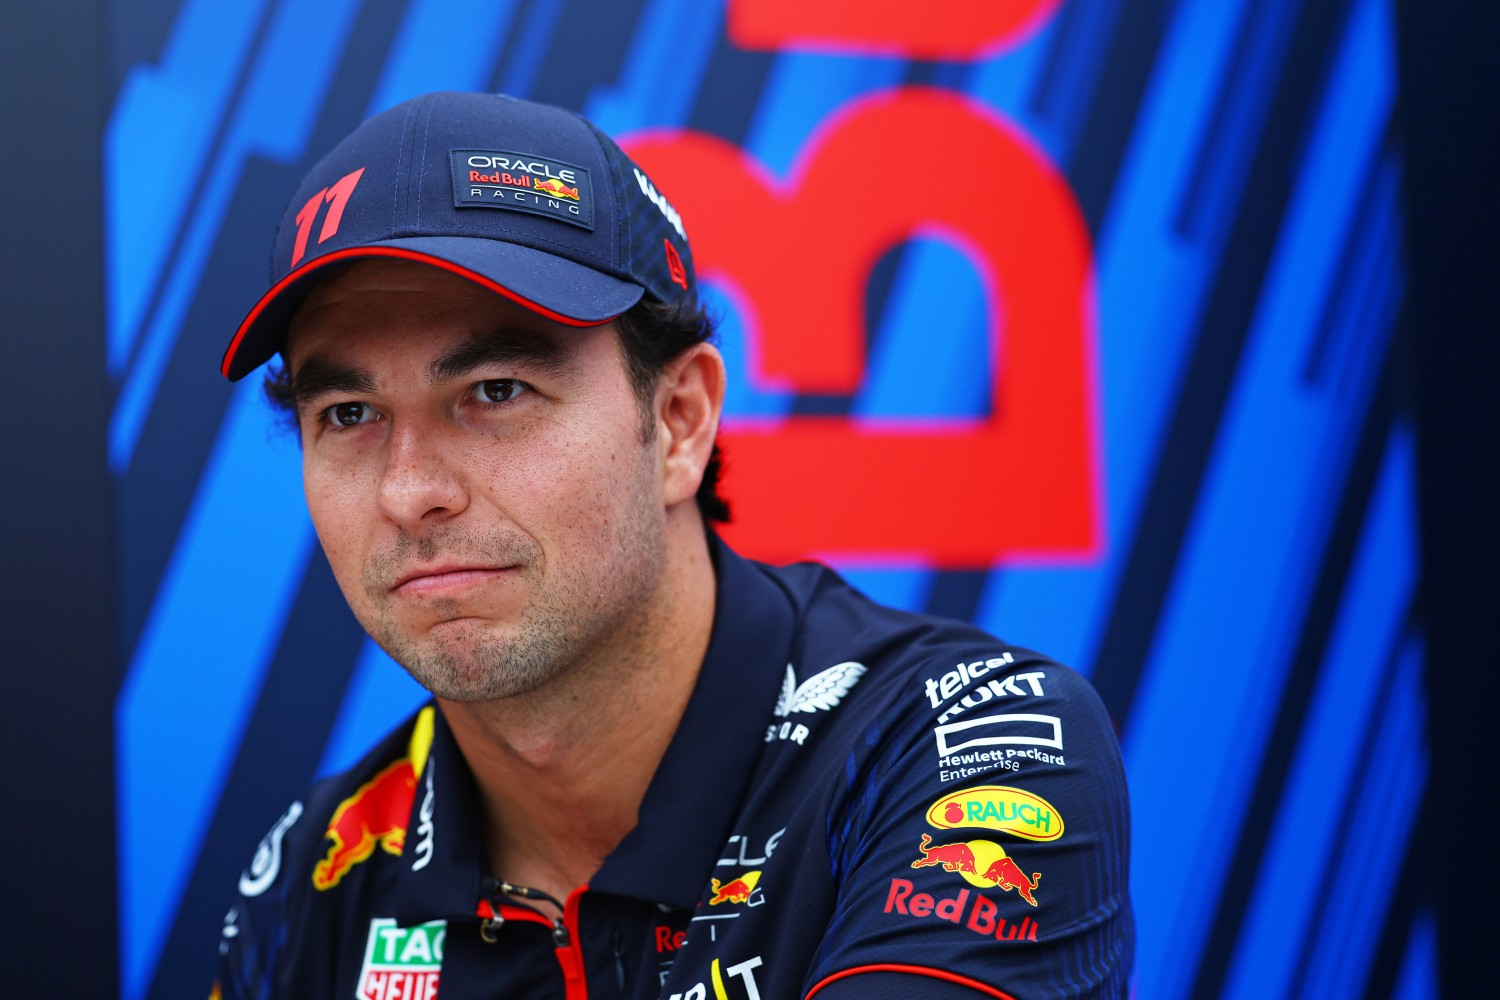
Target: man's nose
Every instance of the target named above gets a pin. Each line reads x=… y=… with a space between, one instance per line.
x=420 y=483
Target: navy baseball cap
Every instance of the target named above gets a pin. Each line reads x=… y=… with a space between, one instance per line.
x=528 y=200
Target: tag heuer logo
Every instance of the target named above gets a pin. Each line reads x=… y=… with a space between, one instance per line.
x=402 y=962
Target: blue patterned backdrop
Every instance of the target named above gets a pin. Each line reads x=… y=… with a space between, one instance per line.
x=1243 y=591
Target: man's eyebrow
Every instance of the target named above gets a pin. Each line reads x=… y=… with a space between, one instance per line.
x=547 y=355
x=321 y=377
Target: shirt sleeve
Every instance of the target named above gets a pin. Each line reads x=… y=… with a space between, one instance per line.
x=983 y=839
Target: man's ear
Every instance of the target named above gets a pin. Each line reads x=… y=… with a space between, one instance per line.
x=689 y=401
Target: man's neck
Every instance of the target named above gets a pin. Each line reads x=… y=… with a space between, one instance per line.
x=561 y=771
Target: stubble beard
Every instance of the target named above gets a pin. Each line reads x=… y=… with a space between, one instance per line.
x=568 y=615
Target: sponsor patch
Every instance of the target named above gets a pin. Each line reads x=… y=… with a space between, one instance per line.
x=973 y=682
x=425 y=829
x=738 y=852
x=669 y=938
x=665 y=208
x=1013 y=729
x=402 y=962
x=266 y=864
x=979 y=862
x=981 y=918
x=375 y=816
x=726 y=982
x=819 y=693
x=737 y=890
x=523 y=182
x=997 y=807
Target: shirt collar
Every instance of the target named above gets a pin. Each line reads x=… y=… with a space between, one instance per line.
x=444 y=814
x=695 y=795
x=693 y=798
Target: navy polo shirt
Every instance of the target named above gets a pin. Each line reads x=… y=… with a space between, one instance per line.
x=858 y=802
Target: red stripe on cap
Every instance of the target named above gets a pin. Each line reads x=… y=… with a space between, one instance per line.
x=403 y=254
x=915 y=970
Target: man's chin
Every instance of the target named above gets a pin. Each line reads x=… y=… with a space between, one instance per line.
x=474 y=666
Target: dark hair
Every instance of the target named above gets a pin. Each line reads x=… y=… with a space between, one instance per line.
x=652 y=334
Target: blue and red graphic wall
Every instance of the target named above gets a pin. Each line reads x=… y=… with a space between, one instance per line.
x=1081 y=320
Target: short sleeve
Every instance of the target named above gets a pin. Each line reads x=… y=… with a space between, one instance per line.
x=984 y=837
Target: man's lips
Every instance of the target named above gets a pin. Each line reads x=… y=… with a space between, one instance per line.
x=436 y=581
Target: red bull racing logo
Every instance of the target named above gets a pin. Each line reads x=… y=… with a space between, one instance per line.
x=556 y=188
x=981 y=862
x=377 y=813
x=735 y=891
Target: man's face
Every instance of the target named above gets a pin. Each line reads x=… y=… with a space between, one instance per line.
x=477 y=475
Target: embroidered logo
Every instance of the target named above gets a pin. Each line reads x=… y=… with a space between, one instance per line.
x=967 y=857
x=375 y=816
x=819 y=693
x=735 y=891
x=266 y=864
x=522 y=182
x=424 y=828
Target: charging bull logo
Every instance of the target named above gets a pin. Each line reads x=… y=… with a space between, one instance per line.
x=980 y=862
x=557 y=188
x=953 y=857
x=735 y=891
x=377 y=813
x=1008 y=875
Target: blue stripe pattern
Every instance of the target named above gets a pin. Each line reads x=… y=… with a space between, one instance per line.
x=1217 y=668
x=1348 y=694
x=188 y=683
x=194 y=678
x=465 y=33
x=244 y=82
x=1151 y=285
x=1382 y=831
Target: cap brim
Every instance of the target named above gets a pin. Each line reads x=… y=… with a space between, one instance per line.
x=559 y=289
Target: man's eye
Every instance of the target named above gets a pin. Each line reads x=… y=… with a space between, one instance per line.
x=350 y=414
x=498 y=390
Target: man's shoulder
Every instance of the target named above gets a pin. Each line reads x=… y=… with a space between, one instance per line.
x=323 y=834
x=927 y=681
x=957 y=802
x=286 y=920
x=942 y=658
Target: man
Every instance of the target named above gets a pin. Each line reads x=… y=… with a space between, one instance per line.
x=651 y=767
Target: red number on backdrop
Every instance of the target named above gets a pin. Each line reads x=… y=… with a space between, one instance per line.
x=1020 y=483
x=935 y=29
x=337 y=197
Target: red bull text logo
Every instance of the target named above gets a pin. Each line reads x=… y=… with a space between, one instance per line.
x=377 y=813
x=981 y=918
x=669 y=938
x=997 y=807
x=552 y=187
x=736 y=891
